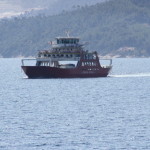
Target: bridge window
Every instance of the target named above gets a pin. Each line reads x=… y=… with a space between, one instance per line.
x=67 y=41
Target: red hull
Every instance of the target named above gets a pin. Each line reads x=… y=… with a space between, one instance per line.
x=54 y=72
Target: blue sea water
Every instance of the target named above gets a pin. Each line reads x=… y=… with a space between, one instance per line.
x=110 y=113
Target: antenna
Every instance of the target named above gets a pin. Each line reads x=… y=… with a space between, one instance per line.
x=68 y=33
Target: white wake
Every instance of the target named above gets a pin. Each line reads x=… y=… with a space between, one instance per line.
x=131 y=75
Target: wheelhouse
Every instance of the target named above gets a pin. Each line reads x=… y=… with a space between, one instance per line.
x=67 y=40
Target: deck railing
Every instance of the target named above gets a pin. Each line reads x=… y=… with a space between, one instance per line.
x=106 y=59
x=27 y=59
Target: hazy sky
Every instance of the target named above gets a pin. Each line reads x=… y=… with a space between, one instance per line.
x=6 y=5
x=16 y=7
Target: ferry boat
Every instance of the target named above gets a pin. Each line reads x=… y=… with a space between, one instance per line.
x=66 y=59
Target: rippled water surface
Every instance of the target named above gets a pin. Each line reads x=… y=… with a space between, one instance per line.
x=110 y=113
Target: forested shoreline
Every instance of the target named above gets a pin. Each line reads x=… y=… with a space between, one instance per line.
x=116 y=28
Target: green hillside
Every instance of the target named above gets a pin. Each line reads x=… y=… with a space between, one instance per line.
x=116 y=27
